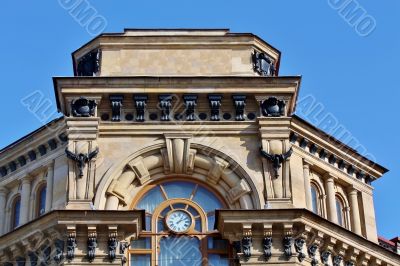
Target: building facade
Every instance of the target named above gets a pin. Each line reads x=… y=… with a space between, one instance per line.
x=181 y=147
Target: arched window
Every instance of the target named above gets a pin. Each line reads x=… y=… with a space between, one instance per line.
x=180 y=218
x=315 y=200
x=340 y=212
x=16 y=212
x=41 y=201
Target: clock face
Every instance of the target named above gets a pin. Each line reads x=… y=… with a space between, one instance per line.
x=178 y=221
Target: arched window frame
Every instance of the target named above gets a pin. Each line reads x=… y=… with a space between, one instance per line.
x=339 y=198
x=149 y=241
x=39 y=200
x=320 y=198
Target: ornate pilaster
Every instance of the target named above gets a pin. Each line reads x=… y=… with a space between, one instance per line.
x=25 y=200
x=49 y=186
x=82 y=152
x=276 y=147
x=354 y=211
x=330 y=191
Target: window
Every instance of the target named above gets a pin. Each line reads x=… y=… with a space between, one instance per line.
x=16 y=212
x=315 y=200
x=340 y=211
x=180 y=219
x=41 y=201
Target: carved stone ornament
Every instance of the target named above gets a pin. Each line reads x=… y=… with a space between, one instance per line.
x=140 y=105
x=165 y=106
x=276 y=159
x=116 y=107
x=298 y=245
x=240 y=103
x=287 y=246
x=83 y=107
x=325 y=257
x=247 y=242
x=89 y=64
x=273 y=107
x=59 y=252
x=46 y=253
x=263 y=64
x=190 y=105
x=350 y=263
x=312 y=252
x=71 y=245
x=91 y=247
x=82 y=159
x=267 y=246
x=337 y=260
x=215 y=105
x=112 y=247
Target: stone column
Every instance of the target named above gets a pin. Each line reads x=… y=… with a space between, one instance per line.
x=354 y=211
x=25 y=196
x=330 y=192
x=307 y=184
x=49 y=186
x=3 y=201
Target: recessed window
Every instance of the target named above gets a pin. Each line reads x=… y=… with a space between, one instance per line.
x=340 y=211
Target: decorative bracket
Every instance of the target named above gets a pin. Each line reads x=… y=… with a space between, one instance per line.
x=140 y=104
x=287 y=241
x=267 y=241
x=165 y=106
x=71 y=242
x=216 y=170
x=190 y=104
x=140 y=170
x=298 y=245
x=59 y=256
x=116 y=107
x=112 y=242
x=122 y=247
x=235 y=193
x=215 y=105
x=240 y=103
x=91 y=243
x=247 y=241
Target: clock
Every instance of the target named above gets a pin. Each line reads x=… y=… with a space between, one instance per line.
x=179 y=221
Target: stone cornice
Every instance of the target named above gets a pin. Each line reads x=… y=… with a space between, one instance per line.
x=231 y=221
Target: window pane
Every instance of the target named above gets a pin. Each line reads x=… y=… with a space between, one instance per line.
x=180 y=251
x=140 y=260
x=211 y=222
x=314 y=197
x=178 y=189
x=42 y=201
x=148 y=223
x=207 y=200
x=160 y=225
x=151 y=200
x=141 y=243
x=217 y=260
x=17 y=208
x=197 y=226
x=217 y=244
x=339 y=209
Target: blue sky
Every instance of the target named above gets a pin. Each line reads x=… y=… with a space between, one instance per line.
x=353 y=77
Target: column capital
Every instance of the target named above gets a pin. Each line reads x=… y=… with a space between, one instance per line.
x=27 y=179
x=352 y=190
x=50 y=166
x=329 y=177
x=307 y=163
